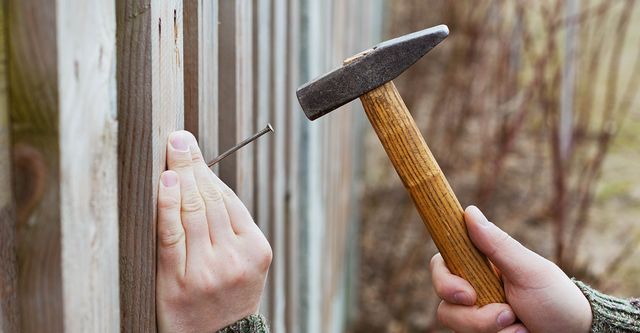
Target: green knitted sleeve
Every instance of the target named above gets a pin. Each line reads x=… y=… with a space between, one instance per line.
x=252 y=324
x=611 y=314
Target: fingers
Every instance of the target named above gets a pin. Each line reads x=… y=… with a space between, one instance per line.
x=193 y=215
x=241 y=220
x=489 y=318
x=516 y=328
x=512 y=259
x=448 y=286
x=171 y=240
x=216 y=211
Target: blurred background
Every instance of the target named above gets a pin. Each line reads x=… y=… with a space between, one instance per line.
x=531 y=109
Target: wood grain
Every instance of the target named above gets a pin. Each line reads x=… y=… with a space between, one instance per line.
x=8 y=273
x=201 y=73
x=438 y=206
x=88 y=165
x=64 y=134
x=150 y=106
x=262 y=93
x=34 y=128
x=292 y=198
x=278 y=117
x=235 y=100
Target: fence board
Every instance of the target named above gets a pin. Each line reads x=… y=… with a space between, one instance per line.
x=86 y=81
x=292 y=157
x=61 y=89
x=33 y=110
x=8 y=274
x=235 y=95
x=278 y=116
x=201 y=73
x=150 y=107
x=262 y=106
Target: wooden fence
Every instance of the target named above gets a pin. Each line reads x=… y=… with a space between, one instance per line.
x=89 y=91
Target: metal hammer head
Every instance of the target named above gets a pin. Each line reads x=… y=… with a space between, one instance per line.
x=373 y=68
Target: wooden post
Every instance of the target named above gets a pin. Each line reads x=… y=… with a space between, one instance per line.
x=64 y=132
x=150 y=107
x=8 y=274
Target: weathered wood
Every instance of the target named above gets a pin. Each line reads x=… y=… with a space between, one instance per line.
x=150 y=107
x=88 y=164
x=8 y=274
x=62 y=85
x=34 y=116
x=277 y=161
x=438 y=206
x=235 y=95
x=201 y=73
x=292 y=158
x=262 y=105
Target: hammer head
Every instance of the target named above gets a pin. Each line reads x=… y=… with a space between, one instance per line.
x=367 y=71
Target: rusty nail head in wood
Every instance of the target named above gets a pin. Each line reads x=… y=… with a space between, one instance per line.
x=245 y=142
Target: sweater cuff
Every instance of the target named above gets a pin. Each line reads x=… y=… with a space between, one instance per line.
x=255 y=323
x=611 y=314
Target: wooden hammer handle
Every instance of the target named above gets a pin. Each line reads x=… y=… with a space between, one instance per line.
x=437 y=204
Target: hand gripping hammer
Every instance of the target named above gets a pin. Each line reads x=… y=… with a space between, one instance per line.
x=368 y=75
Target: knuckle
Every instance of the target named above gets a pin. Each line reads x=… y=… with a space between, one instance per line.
x=196 y=156
x=181 y=161
x=192 y=202
x=210 y=193
x=168 y=202
x=265 y=257
x=170 y=237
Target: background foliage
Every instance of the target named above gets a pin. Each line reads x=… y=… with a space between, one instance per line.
x=531 y=109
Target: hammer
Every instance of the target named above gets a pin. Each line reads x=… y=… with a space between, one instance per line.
x=368 y=75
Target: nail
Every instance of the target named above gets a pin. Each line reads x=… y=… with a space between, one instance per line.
x=462 y=298
x=180 y=141
x=505 y=318
x=522 y=330
x=478 y=216
x=169 y=178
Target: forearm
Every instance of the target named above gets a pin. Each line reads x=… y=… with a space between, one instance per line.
x=611 y=314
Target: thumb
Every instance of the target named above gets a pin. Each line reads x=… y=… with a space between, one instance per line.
x=514 y=261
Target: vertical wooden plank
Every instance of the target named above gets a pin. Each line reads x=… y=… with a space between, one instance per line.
x=278 y=116
x=8 y=274
x=150 y=107
x=292 y=157
x=34 y=122
x=262 y=106
x=88 y=165
x=235 y=94
x=201 y=73
x=64 y=131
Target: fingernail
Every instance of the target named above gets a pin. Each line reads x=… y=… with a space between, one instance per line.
x=505 y=318
x=169 y=179
x=462 y=298
x=180 y=141
x=522 y=330
x=478 y=216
